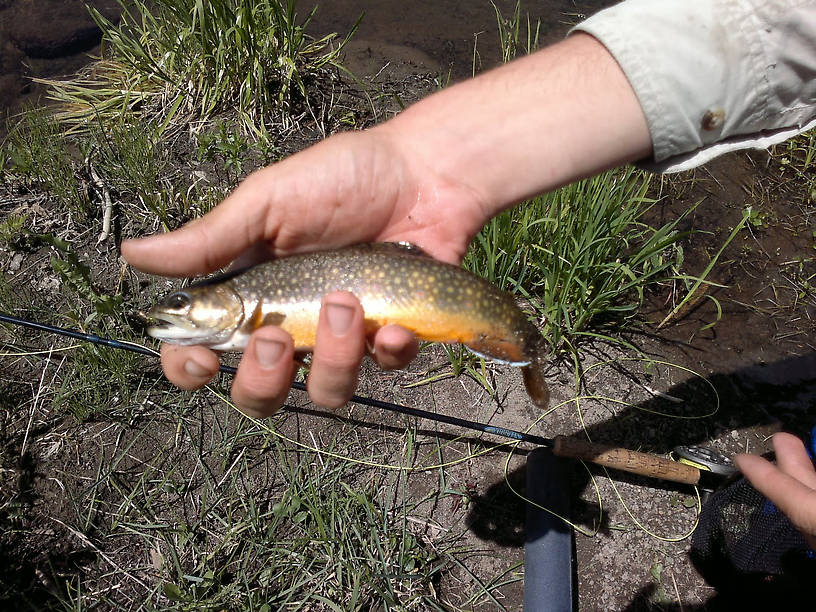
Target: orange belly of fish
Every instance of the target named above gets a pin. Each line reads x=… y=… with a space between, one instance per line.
x=481 y=336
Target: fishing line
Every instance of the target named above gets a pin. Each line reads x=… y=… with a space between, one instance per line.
x=357 y=399
x=580 y=381
x=43 y=352
x=366 y=462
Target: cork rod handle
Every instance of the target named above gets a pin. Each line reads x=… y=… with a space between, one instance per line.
x=626 y=460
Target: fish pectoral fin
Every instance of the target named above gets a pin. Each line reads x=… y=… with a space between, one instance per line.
x=498 y=349
x=272 y=318
x=494 y=358
x=259 y=319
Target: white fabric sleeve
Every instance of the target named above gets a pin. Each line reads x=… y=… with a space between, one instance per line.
x=714 y=76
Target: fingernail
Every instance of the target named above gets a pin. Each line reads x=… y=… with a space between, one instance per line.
x=195 y=369
x=268 y=352
x=339 y=316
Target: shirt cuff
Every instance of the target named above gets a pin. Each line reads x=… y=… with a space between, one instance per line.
x=714 y=76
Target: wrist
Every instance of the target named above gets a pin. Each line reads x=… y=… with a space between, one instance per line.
x=563 y=113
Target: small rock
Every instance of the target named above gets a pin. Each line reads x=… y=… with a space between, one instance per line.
x=49 y=284
x=15 y=262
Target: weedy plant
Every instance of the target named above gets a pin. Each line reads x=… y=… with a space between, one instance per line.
x=39 y=154
x=796 y=159
x=238 y=520
x=77 y=275
x=512 y=38
x=197 y=58
x=799 y=153
x=129 y=161
x=97 y=381
x=11 y=228
x=226 y=145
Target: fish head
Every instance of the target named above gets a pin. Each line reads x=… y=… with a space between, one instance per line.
x=207 y=314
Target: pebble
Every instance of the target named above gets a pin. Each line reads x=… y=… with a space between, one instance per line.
x=15 y=262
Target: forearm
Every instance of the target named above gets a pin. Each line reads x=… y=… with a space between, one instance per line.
x=565 y=112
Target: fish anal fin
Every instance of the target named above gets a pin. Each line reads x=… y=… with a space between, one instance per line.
x=499 y=351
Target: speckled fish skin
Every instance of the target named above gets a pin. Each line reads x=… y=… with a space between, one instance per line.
x=395 y=283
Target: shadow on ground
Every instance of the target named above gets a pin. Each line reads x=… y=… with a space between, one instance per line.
x=767 y=397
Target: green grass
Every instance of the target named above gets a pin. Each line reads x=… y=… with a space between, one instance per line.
x=130 y=165
x=516 y=34
x=187 y=60
x=223 y=513
x=79 y=392
x=129 y=160
x=798 y=154
x=316 y=538
x=580 y=255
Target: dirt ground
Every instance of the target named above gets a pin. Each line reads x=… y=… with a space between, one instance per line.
x=753 y=373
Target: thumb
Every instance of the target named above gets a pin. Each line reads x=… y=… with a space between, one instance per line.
x=208 y=243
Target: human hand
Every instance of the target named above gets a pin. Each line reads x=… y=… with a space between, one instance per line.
x=790 y=484
x=350 y=188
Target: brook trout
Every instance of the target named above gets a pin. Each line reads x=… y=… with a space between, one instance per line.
x=395 y=283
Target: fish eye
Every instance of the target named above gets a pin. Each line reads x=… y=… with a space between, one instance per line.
x=178 y=300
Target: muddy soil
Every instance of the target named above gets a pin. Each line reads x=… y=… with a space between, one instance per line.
x=756 y=365
x=44 y=39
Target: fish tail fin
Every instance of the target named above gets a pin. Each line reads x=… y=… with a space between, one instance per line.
x=536 y=384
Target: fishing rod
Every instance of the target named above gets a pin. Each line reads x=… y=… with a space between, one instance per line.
x=614 y=457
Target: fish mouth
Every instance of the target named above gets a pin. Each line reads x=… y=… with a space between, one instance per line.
x=176 y=329
x=156 y=326
x=170 y=328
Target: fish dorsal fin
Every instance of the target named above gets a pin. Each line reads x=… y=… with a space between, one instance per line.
x=404 y=248
x=218 y=278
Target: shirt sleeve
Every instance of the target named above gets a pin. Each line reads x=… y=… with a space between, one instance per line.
x=714 y=76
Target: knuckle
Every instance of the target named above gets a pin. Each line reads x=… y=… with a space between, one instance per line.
x=336 y=364
x=185 y=383
x=331 y=389
x=249 y=390
x=390 y=362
